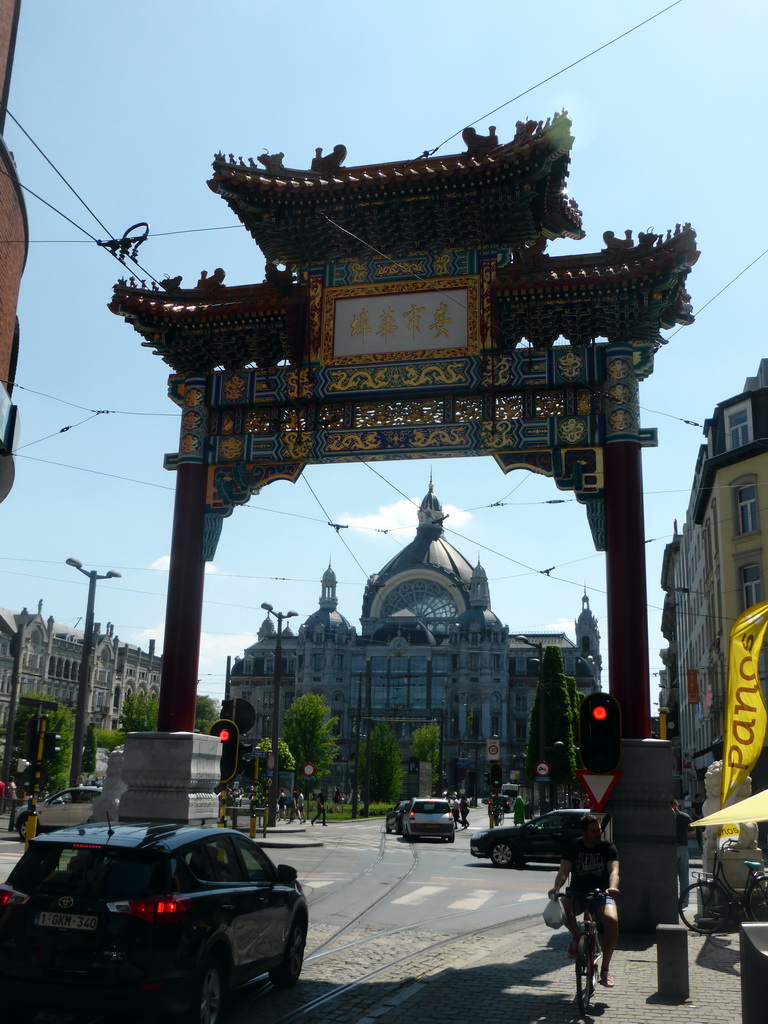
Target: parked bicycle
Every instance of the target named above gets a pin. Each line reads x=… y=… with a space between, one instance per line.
x=713 y=904
x=589 y=952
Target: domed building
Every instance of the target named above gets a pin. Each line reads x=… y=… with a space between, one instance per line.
x=430 y=649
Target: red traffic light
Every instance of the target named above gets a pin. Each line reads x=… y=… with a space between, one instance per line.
x=600 y=733
x=229 y=735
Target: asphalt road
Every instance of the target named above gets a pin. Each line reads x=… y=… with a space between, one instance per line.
x=377 y=903
x=436 y=884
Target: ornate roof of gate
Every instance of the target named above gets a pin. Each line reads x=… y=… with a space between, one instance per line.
x=626 y=293
x=490 y=196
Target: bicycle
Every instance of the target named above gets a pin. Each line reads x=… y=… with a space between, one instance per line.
x=711 y=904
x=589 y=952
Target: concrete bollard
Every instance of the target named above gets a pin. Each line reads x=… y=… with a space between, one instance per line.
x=672 y=962
x=753 y=952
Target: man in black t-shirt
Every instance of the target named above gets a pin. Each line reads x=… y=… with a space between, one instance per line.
x=592 y=863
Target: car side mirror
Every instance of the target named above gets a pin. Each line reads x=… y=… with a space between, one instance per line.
x=286 y=875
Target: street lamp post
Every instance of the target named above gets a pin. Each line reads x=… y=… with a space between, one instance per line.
x=278 y=675
x=540 y=692
x=83 y=675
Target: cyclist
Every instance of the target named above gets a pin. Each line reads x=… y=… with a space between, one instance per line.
x=593 y=863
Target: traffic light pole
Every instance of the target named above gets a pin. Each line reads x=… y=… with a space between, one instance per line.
x=42 y=726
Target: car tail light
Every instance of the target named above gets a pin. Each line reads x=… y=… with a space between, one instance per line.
x=412 y=814
x=9 y=898
x=159 y=909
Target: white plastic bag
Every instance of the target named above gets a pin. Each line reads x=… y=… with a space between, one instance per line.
x=554 y=915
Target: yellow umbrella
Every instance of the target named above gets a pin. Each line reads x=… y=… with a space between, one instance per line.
x=754 y=808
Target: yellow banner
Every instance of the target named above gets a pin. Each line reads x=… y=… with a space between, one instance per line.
x=745 y=716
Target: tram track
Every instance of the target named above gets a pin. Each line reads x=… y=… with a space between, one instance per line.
x=381 y=898
x=312 y=1005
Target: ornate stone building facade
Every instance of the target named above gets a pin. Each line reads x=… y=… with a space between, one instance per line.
x=48 y=661
x=430 y=649
x=713 y=571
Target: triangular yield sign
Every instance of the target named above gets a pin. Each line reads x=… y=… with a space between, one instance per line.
x=598 y=787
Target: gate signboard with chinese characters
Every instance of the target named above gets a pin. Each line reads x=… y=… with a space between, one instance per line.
x=418 y=316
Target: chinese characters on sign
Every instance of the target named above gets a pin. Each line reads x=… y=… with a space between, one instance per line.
x=415 y=321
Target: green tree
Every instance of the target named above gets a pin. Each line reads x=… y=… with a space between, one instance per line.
x=139 y=712
x=386 y=780
x=286 y=760
x=309 y=732
x=61 y=723
x=206 y=713
x=89 y=750
x=425 y=746
x=560 y=721
x=109 y=739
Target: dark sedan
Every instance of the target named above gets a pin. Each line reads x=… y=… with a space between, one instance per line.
x=146 y=920
x=394 y=821
x=540 y=839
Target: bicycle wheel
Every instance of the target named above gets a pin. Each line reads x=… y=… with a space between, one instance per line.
x=758 y=900
x=585 y=979
x=705 y=907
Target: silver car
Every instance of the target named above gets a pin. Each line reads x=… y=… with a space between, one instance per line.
x=428 y=817
x=68 y=807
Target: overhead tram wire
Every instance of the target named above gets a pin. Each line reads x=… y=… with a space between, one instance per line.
x=337 y=527
x=85 y=408
x=17 y=181
x=431 y=152
x=56 y=170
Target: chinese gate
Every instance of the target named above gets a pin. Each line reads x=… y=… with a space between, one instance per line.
x=418 y=316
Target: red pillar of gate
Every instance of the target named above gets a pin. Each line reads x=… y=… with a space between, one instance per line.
x=184 y=609
x=626 y=585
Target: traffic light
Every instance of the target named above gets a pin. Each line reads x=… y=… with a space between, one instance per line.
x=239 y=711
x=30 y=739
x=496 y=776
x=51 y=748
x=245 y=759
x=229 y=735
x=673 y=721
x=600 y=733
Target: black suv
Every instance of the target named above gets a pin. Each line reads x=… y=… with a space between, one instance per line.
x=540 y=839
x=145 y=919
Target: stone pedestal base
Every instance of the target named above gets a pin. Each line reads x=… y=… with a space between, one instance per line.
x=171 y=777
x=644 y=834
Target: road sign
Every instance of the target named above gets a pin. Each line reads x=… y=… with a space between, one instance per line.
x=542 y=769
x=598 y=787
x=41 y=705
x=308 y=771
x=493 y=750
x=270 y=763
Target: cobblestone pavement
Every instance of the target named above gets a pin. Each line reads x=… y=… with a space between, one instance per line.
x=521 y=975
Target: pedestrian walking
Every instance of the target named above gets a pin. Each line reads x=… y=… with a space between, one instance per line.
x=281 y=800
x=298 y=799
x=320 y=813
x=464 y=811
x=455 y=810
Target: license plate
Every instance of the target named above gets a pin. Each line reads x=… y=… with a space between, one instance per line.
x=75 y=922
x=431 y=826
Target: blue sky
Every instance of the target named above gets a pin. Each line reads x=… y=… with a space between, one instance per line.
x=131 y=102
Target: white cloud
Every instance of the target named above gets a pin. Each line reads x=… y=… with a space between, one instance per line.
x=402 y=515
